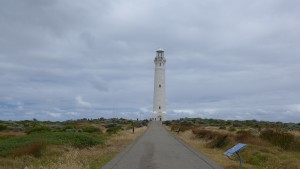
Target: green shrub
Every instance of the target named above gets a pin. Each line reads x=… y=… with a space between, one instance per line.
x=114 y=130
x=71 y=130
x=57 y=128
x=167 y=123
x=91 y=129
x=222 y=127
x=138 y=124
x=243 y=132
x=3 y=127
x=110 y=125
x=145 y=122
x=38 y=129
x=70 y=126
x=78 y=140
x=231 y=129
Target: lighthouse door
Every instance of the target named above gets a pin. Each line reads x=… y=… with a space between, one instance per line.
x=159 y=118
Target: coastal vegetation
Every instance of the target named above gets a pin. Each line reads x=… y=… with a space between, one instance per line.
x=83 y=143
x=269 y=144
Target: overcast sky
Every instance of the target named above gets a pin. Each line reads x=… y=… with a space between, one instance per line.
x=70 y=59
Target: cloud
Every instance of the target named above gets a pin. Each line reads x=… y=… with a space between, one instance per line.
x=100 y=85
x=55 y=115
x=228 y=60
x=184 y=111
x=294 y=108
x=81 y=102
x=72 y=113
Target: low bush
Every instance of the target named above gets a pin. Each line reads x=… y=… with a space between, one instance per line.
x=167 y=123
x=184 y=128
x=295 y=146
x=181 y=127
x=34 y=149
x=203 y=133
x=3 y=127
x=38 y=129
x=138 y=124
x=220 y=141
x=57 y=128
x=222 y=127
x=243 y=132
x=110 y=125
x=145 y=122
x=71 y=130
x=258 y=159
x=175 y=128
x=278 y=138
x=114 y=130
x=249 y=138
x=244 y=137
x=231 y=129
x=78 y=140
x=92 y=129
x=70 y=126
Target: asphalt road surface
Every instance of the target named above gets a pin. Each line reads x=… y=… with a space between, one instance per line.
x=159 y=149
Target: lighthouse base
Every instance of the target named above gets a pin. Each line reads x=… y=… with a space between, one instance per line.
x=159 y=116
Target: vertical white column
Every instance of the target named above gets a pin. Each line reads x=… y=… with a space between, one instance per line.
x=159 y=106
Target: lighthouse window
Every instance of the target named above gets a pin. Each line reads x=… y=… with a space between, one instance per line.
x=159 y=85
x=159 y=107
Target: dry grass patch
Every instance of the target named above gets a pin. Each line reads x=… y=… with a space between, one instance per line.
x=11 y=133
x=201 y=145
x=34 y=149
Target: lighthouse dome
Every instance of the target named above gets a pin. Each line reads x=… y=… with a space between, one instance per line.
x=159 y=50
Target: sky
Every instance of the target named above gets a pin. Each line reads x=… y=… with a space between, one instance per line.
x=71 y=59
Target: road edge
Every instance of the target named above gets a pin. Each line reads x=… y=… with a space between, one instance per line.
x=210 y=162
x=112 y=163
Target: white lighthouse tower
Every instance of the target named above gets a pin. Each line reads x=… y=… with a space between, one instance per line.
x=159 y=106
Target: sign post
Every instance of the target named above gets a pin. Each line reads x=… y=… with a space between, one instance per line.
x=235 y=150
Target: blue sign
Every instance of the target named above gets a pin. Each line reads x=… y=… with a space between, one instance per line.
x=235 y=149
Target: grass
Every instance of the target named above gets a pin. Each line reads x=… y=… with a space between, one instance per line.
x=96 y=157
x=61 y=149
x=259 y=153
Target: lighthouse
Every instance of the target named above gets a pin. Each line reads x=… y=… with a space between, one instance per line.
x=159 y=98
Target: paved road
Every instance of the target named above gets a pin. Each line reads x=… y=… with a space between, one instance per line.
x=159 y=149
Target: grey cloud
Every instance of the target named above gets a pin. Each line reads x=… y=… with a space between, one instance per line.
x=239 y=58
